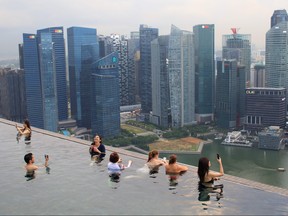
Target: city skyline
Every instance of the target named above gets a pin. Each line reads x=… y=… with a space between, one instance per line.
x=124 y=16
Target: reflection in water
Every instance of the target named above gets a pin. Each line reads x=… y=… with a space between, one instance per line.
x=205 y=194
x=173 y=180
x=32 y=174
x=114 y=179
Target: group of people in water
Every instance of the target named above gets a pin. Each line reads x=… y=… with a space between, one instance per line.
x=115 y=165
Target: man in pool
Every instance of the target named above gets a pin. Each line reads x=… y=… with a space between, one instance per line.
x=30 y=166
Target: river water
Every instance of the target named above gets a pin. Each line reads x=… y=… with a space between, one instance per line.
x=249 y=163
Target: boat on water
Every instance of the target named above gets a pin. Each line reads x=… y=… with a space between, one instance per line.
x=281 y=169
x=235 y=138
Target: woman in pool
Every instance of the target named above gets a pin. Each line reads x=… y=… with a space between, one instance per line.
x=97 y=149
x=154 y=162
x=207 y=176
x=25 y=131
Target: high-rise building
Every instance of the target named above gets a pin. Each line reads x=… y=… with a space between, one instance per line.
x=276 y=66
x=226 y=94
x=147 y=34
x=278 y=16
x=12 y=94
x=259 y=75
x=204 y=72
x=105 y=107
x=48 y=80
x=89 y=55
x=265 y=107
x=79 y=37
x=57 y=36
x=181 y=77
x=34 y=99
x=120 y=44
x=160 y=82
x=133 y=67
x=238 y=46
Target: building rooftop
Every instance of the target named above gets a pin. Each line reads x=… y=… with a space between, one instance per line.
x=75 y=186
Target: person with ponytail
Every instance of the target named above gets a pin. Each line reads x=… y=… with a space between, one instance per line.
x=154 y=162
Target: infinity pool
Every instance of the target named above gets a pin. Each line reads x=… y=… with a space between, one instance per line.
x=75 y=186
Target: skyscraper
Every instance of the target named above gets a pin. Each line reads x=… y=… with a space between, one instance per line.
x=77 y=38
x=147 y=34
x=105 y=107
x=276 y=66
x=160 y=82
x=12 y=94
x=33 y=80
x=181 y=77
x=60 y=69
x=226 y=94
x=278 y=16
x=238 y=46
x=48 y=80
x=204 y=72
x=133 y=67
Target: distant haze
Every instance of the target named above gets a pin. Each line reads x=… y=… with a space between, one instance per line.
x=123 y=16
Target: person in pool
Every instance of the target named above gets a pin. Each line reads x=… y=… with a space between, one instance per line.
x=97 y=149
x=206 y=176
x=154 y=162
x=30 y=166
x=115 y=166
x=24 y=131
x=173 y=167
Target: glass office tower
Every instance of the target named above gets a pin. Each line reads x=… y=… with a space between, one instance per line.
x=160 y=82
x=48 y=81
x=181 y=77
x=77 y=37
x=60 y=69
x=147 y=34
x=276 y=65
x=238 y=46
x=204 y=72
x=105 y=107
x=33 y=80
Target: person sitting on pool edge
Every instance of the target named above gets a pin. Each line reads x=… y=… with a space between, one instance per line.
x=97 y=149
x=30 y=166
x=207 y=176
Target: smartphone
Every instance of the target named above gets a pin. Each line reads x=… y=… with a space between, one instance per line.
x=218 y=156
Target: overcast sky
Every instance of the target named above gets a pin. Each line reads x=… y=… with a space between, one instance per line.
x=123 y=16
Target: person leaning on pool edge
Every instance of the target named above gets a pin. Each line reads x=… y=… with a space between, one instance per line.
x=207 y=176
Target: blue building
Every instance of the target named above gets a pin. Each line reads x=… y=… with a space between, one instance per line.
x=204 y=72
x=48 y=81
x=105 y=107
x=79 y=37
x=147 y=34
x=34 y=99
x=60 y=69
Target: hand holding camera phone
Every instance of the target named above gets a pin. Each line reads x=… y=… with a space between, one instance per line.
x=46 y=157
x=218 y=156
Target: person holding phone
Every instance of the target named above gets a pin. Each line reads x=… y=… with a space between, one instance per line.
x=207 y=176
x=97 y=149
x=31 y=167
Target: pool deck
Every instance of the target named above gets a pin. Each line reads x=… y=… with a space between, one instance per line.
x=75 y=188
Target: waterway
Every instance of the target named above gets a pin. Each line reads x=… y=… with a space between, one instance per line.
x=249 y=163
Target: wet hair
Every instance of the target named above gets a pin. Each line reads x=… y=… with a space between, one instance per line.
x=203 y=168
x=172 y=159
x=27 y=123
x=152 y=154
x=114 y=157
x=28 y=157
